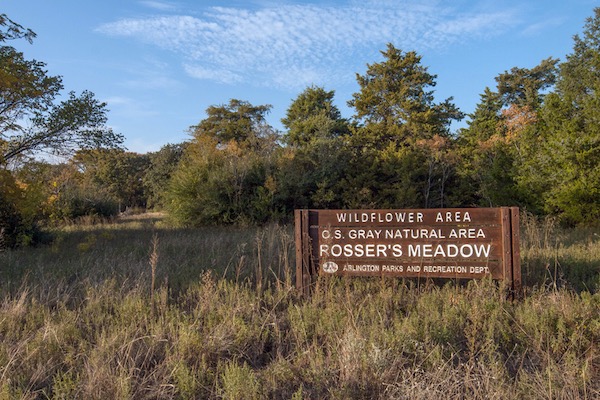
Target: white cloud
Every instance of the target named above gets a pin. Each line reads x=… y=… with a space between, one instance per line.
x=221 y=76
x=293 y=45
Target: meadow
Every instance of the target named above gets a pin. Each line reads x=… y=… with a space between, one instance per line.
x=137 y=309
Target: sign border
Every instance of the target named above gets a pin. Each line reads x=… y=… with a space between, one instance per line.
x=306 y=270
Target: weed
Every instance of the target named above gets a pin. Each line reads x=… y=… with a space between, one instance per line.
x=77 y=321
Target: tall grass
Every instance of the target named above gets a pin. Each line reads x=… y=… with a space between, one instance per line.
x=555 y=257
x=137 y=310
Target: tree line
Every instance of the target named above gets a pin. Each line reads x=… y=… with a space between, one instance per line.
x=533 y=141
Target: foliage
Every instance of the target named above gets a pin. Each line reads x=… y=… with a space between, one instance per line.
x=312 y=176
x=33 y=122
x=395 y=101
x=311 y=169
x=30 y=120
x=237 y=121
x=501 y=141
x=226 y=182
x=118 y=173
x=396 y=158
x=158 y=174
x=572 y=134
x=533 y=141
x=312 y=115
x=11 y=220
x=525 y=87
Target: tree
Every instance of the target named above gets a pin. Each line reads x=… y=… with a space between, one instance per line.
x=311 y=167
x=239 y=121
x=12 y=229
x=569 y=156
x=30 y=119
x=396 y=114
x=483 y=166
x=396 y=101
x=498 y=145
x=225 y=174
x=525 y=87
x=313 y=115
x=163 y=164
x=119 y=173
x=12 y=30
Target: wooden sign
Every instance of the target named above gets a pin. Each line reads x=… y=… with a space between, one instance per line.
x=428 y=243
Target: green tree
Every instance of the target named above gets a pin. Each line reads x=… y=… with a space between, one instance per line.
x=500 y=140
x=226 y=172
x=238 y=120
x=156 y=178
x=569 y=156
x=395 y=113
x=12 y=229
x=485 y=172
x=525 y=87
x=313 y=115
x=396 y=101
x=118 y=172
x=311 y=167
x=73 y=196
x=30 y=119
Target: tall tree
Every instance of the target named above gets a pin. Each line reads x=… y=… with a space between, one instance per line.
x=156 y=178
x=119 y=173
x=313 y=115
x=396 y=115
x=525 y=87
x=501 y=138
x=238 y=120
x=225 y=174
x=311 y=167
x=396 y=100
x=569 y=159
x=30 y=119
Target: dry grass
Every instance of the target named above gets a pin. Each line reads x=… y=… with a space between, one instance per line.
x=137 y=310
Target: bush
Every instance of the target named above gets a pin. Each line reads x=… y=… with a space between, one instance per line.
x=13 y=229
x=78 y=202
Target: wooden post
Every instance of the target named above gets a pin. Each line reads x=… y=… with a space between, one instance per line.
x=299 y=249
x=303 y=248
x=516 y=252
x=507 y=251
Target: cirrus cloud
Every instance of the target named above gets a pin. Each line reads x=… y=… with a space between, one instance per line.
x=292 y=45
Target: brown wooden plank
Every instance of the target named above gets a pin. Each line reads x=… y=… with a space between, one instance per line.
x=437 y=241
x=516 y=251
x=506 y=245
x=307 y=268
x=299 y=248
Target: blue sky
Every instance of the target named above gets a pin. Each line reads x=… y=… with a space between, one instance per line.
x=160 y=64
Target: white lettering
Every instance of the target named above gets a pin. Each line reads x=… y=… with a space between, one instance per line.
x=449 y=250
x=456 y=216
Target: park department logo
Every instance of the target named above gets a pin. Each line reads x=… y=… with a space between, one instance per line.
x=330 y=267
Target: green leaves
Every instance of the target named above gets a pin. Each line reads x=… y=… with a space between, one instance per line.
x=313 y=116
x=30 y=119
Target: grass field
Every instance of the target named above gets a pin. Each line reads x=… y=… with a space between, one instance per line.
x=135 y=309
